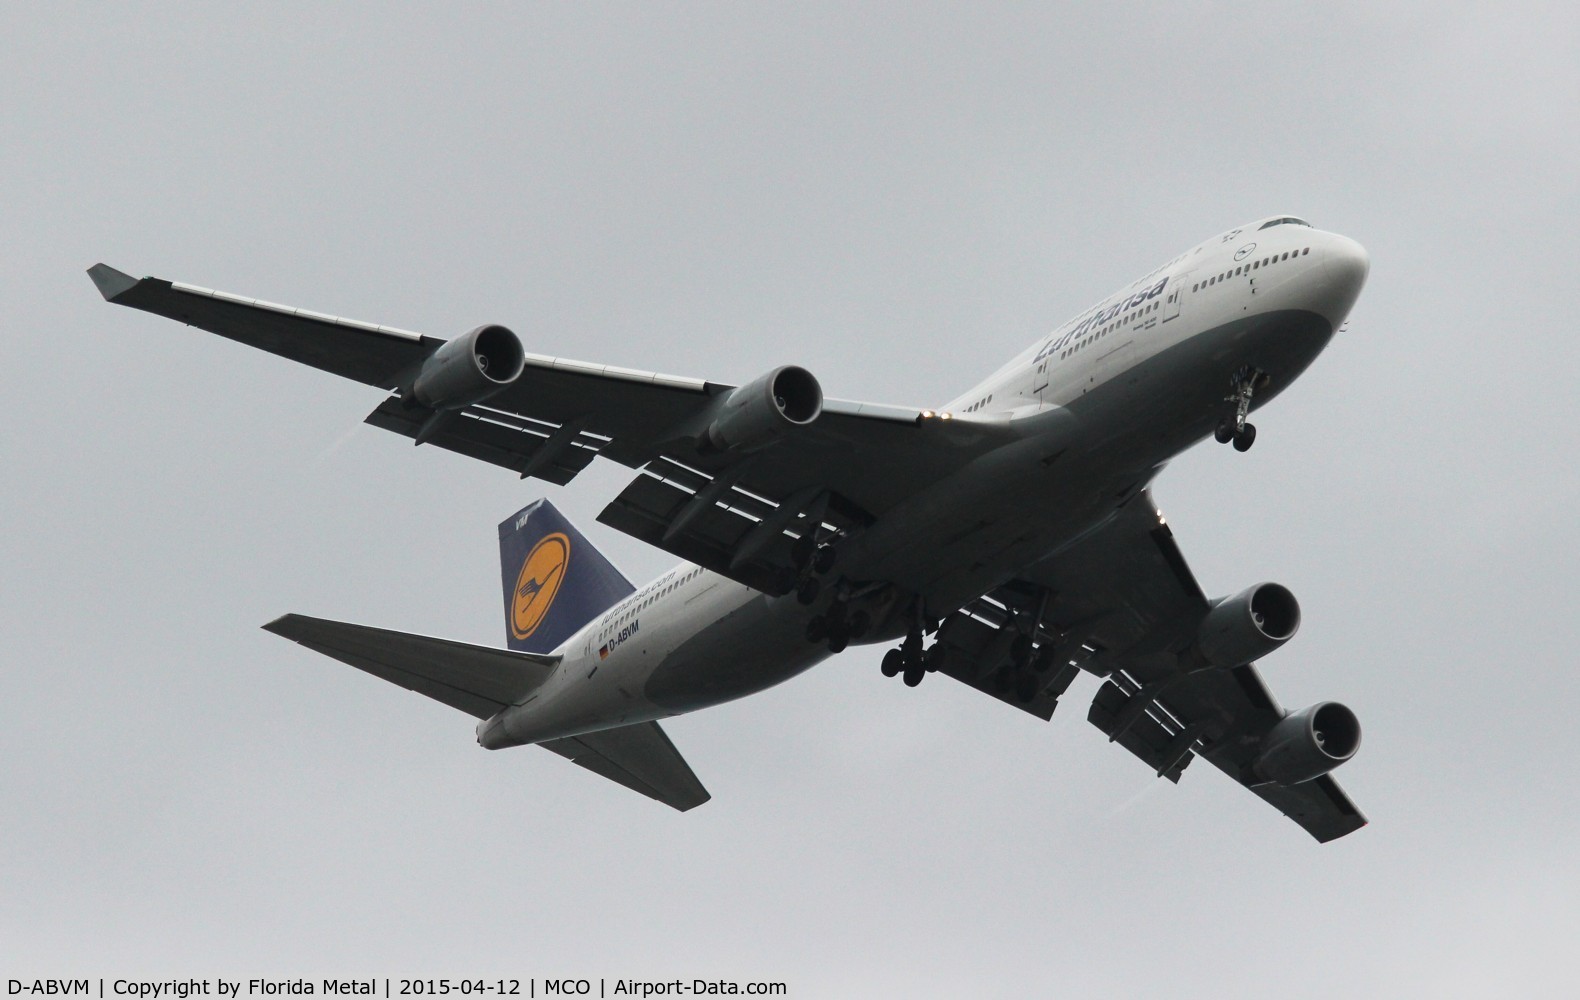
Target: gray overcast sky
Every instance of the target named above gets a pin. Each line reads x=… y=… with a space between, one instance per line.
x=898 y=197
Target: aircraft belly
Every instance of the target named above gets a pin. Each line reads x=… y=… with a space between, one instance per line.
x=757 y=645
x=1173 y=397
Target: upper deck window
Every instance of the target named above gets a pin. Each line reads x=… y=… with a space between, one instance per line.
x=1288 y=220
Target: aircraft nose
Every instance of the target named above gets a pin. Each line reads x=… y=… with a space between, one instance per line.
x=1345 y=264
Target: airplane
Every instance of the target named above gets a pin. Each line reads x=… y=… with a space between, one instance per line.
x=1007 y=539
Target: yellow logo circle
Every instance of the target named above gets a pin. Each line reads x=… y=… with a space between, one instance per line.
x=539 y=580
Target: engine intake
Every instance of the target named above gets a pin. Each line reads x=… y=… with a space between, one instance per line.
x=1248 y=625
x=1309 y=744
x=469 y=369
x=756 y=414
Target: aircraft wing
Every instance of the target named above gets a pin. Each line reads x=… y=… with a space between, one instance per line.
x=482 y=681
x=1121 y=603
x=854 y=462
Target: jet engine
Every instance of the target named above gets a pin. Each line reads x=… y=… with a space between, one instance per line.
x=1308 y=744
x=1248 y=625
x=469 y=369
x=759 y=411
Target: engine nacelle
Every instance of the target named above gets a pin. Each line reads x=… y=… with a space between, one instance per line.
x=1309 y=744
x=758 y=412
x=1248 y=625
x=469 y=369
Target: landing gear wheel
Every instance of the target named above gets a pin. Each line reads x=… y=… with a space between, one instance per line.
x=1233 y=427
x=838 y=640
x=913 y=675
x=808 y=590
x=1245 y=437
x=817 y=629
x=823 y=558
x=893 y=663
x=859 y=623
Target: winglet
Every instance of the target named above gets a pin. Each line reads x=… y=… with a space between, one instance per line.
x=112 y=283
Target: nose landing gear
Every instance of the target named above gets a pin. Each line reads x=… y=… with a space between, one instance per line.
x=1233 y=427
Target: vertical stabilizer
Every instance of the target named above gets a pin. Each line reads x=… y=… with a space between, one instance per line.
x=555 y=581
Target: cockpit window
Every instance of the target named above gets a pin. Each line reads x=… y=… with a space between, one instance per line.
x=1288 y=220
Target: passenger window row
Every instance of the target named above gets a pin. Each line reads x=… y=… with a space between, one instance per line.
x=1104 y=331
x=1253 y=266
x=647 y=599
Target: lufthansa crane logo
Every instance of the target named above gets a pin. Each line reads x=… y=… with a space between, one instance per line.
x=539 y=580
x=1245 y=251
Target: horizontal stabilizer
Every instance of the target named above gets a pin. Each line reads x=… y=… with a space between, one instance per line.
x=478 y=680
x=641 y=758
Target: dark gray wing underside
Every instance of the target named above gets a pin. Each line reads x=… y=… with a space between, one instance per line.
x=1123 y=604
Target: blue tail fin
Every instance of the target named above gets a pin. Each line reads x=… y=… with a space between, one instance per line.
x=555 y=581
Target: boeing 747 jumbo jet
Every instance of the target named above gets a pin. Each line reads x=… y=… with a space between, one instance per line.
x=1006 y=539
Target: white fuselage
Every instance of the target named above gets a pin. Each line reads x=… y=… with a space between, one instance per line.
x=1123 y=387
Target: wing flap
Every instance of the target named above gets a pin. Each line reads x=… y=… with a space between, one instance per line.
x=1138 y=723
x=529 y=448
x=478 y=680
x=641 y=758
x=977 y=653
x=714 y=525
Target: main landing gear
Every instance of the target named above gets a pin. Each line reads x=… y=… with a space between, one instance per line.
x=1233 y=426
x=1024 y=673
x=838 y=625
x=909 y=660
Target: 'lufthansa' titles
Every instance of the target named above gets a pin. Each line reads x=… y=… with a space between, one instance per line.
x=1099 y=316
